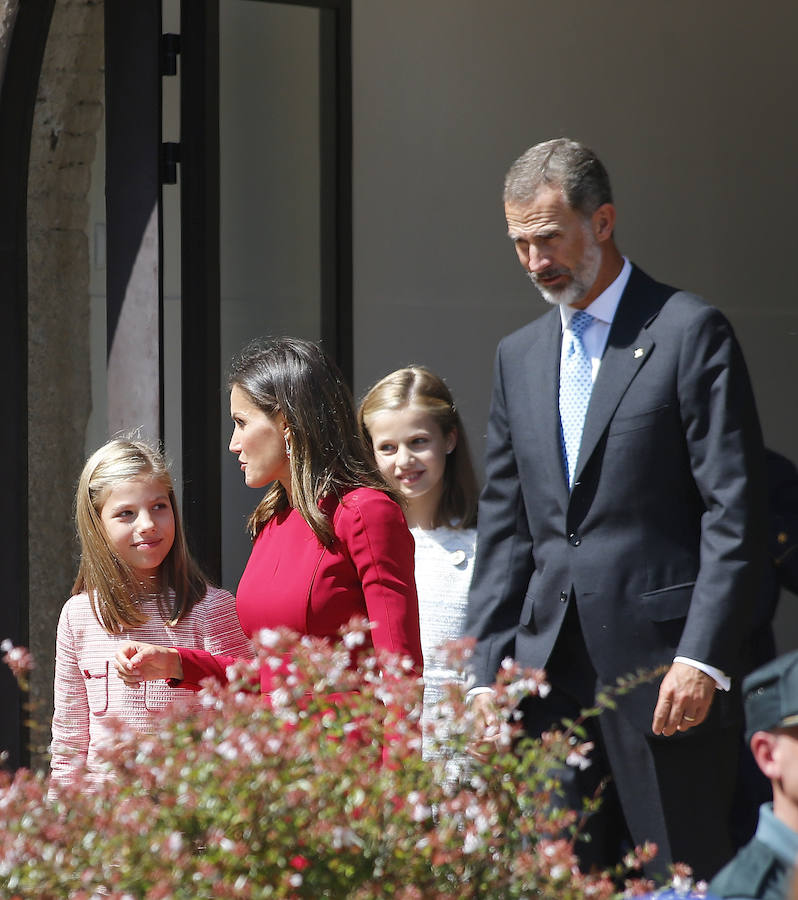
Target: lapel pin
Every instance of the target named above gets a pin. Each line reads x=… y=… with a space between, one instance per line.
x=639 y=352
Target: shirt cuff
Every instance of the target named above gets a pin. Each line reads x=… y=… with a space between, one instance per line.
x=721 y=679
x=478 y=690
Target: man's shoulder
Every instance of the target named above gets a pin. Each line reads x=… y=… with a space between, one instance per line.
x=678 y=303
x=755 y=872
x=670 y=316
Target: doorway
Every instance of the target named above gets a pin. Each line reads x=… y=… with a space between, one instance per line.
x=282 y=201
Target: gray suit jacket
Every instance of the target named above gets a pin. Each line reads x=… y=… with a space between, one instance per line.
x=662 y=539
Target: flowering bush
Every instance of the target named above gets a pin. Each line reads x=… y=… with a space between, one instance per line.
x=19 y=660
x=319 y=791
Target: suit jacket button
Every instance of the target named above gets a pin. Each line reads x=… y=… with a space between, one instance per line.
x=563 y=597
x=574 y=540
x=457 y=558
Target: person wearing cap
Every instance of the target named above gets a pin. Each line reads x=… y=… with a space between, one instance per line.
x=765 y=866
x=780 y=574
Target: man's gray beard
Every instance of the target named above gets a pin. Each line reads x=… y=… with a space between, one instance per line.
x=582 y=278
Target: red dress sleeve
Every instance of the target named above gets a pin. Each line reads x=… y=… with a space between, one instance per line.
x=372 y=529
x=200 y=664
x=224 y=641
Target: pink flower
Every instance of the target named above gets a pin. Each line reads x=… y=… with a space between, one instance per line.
x=233 y=794
x=18 y=659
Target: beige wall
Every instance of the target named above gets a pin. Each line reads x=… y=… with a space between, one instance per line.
x=691 y=107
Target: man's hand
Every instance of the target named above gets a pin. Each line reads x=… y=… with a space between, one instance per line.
x=486 y=726
x=136 y=661
x=685 y=697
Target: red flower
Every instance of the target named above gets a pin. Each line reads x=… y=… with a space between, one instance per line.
x=299 y=862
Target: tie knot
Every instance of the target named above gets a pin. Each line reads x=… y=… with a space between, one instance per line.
x=579 y=322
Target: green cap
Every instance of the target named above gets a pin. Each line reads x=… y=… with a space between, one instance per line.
x=770 y=694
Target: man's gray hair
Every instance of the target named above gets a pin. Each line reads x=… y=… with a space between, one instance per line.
x=560 y=163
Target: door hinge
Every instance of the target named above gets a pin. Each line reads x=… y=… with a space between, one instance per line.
x=170 y=157
x=170 y=49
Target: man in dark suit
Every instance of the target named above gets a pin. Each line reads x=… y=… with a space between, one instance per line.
x=625 y=536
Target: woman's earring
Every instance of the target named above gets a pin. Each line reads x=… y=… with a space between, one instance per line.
x=287 y=445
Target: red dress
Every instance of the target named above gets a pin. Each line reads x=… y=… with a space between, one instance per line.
x=291 y=580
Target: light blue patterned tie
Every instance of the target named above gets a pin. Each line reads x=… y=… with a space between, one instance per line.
x=576 y=383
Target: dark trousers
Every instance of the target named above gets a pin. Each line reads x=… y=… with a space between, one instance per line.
x=676 y=792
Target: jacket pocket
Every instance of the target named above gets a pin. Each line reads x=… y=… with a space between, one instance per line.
x=96 y=680
x=668 y=603
x=157 y=695
x=621 y=424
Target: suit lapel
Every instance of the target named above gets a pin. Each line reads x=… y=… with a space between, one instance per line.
x=543 y=380
x=628 y=347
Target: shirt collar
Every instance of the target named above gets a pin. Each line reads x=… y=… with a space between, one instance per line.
x=777 y=835
x=605 y=305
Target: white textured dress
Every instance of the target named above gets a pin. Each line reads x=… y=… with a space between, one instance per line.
x=88 y=692
x=444 y=566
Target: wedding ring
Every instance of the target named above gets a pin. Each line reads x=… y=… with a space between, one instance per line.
x=688 y=718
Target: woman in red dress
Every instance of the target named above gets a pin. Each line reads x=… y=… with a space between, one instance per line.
x=330 y=541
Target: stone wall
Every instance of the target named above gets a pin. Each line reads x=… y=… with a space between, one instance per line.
x=8 y=14
x=67 y=117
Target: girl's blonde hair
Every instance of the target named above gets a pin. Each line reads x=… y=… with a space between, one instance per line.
x=427 y=391
x=296 y=378
x=113 y=588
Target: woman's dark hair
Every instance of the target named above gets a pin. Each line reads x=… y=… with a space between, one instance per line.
x=418 y=386
x=296 y=378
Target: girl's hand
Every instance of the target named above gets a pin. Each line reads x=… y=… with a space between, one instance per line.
x=136 y=662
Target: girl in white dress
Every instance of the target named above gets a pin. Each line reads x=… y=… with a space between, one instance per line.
x=410 y=421
x=136 y=579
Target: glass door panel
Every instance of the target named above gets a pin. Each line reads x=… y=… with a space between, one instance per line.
x=270 y=195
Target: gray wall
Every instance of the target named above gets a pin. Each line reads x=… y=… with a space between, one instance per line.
x=689 y=105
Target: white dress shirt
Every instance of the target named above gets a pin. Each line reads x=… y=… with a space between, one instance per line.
x=603 y=308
